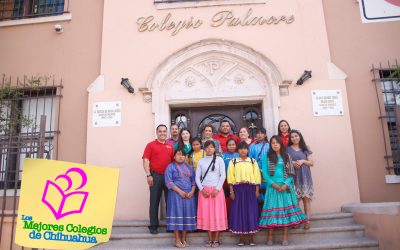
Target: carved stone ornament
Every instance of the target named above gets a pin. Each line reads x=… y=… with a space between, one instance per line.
x=239 y=79
x=147 y=94
x=190 y=81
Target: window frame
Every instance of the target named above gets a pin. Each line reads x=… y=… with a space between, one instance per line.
x=27 y=9
x=25 y=142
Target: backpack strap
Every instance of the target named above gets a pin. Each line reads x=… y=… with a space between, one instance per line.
x=259 y=154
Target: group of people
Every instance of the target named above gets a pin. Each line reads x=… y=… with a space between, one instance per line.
x=225 y=182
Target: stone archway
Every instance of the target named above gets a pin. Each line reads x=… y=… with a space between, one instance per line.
x=218 y=72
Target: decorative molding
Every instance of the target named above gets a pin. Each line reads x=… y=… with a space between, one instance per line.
x=167 y=4
x=190 y=81
x=284 y=87
x=215 y=71
x=46 y=19
x=147 y=94
x=238 y=79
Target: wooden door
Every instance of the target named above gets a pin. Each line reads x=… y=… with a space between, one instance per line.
x=238 y=116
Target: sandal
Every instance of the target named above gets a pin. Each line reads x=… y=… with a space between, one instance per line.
x=252 y=244
x=209 y=243
x=179 y=244
x=185 y=243
x=240 y=244
x=216 y=243
x=307 y=225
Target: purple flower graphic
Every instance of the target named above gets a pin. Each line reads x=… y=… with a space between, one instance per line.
x=66 y=198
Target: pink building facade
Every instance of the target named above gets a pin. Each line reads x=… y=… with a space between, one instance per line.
x=189 y=61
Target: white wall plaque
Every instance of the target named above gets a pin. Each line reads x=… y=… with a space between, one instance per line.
x=327 y=102
x=106 y=114
x=379 y=10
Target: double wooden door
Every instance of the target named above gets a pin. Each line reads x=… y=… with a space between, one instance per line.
x=195 y=118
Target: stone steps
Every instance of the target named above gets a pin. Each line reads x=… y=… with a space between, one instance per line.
x=359 y=243
x=317 y=220
x=328 y=231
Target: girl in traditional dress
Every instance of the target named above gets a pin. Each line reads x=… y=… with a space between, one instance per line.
x=211 y=211
x=181 y=209
x=244 y=179
x=283 y=132
x=281 y=208
x=244 y=135
x=302 y=161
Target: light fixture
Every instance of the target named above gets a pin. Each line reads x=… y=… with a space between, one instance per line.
x=304 y=77
x=127 y=84
x=58 y=28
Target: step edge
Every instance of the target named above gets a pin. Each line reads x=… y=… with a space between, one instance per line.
x=344 y=243
x=294 y=231
x=145 y=223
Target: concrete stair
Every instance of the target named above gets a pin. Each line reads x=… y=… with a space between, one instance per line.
x=328 y=231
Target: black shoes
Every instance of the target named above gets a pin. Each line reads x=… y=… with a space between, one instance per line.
x=153 y=230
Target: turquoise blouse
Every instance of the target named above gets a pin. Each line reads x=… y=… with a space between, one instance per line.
x=186 y=147
x=278 y=176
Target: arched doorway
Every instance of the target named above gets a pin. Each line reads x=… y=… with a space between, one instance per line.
x=216 y=73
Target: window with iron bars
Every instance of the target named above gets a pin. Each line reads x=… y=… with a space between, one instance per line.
x=28 y=127
x=387 y=85
x=17 y=9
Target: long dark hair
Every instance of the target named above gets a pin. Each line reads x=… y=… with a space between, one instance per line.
x=206 y=144
x=279 y=125
x=302 y=143
x=180 y=140
x=272 y=155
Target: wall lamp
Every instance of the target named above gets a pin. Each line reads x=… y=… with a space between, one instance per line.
x=304 y=77
x=127 y=84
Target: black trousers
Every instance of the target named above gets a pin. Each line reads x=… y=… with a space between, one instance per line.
x=155 y=196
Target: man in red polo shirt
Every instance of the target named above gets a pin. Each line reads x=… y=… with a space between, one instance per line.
x=156 y=157
x=225 y=134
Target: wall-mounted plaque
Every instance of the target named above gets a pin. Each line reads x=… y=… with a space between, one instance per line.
x=327 y=102
x=106 y=114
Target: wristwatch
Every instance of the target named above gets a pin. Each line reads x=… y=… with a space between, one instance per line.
x=148 y=175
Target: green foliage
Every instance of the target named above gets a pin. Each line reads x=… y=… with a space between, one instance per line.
x=395 y=73
x=11 y=114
